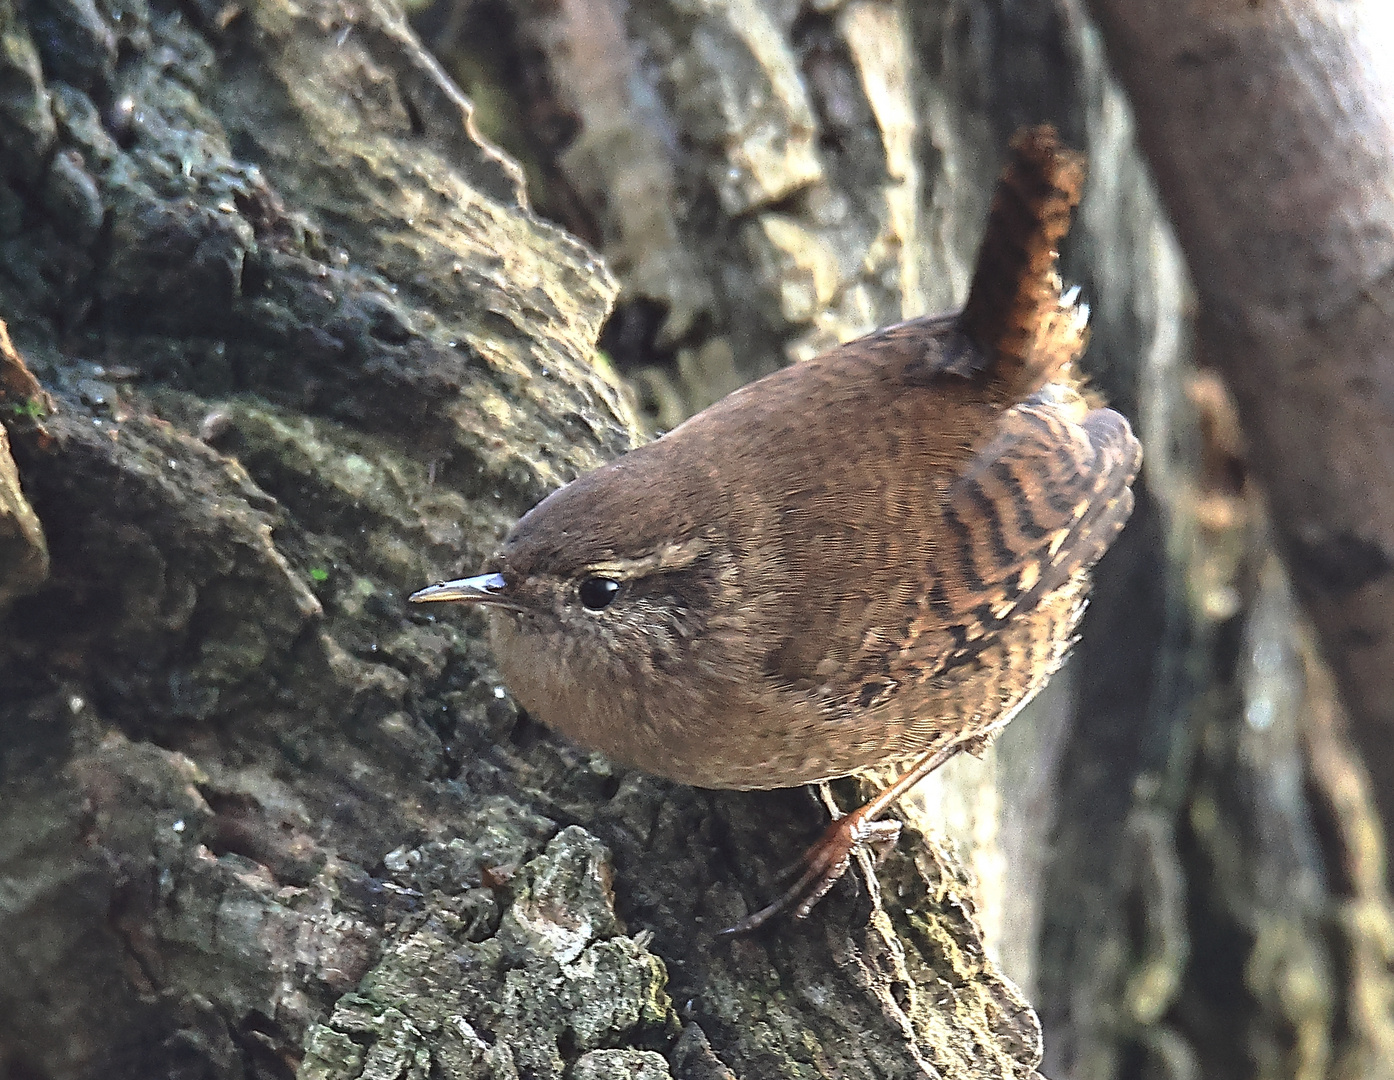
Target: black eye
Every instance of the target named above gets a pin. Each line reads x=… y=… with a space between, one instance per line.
x=597 y=592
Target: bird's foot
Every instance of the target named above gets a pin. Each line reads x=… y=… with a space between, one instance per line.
x=824 y=863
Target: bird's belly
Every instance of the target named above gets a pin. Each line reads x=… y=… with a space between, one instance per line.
x=793 y=737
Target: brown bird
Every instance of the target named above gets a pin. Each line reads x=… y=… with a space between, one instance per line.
x=876 y=556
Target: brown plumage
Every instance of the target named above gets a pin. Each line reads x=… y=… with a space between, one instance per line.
x=878 y=555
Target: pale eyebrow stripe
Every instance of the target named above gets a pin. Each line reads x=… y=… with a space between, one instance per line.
x=669 y=557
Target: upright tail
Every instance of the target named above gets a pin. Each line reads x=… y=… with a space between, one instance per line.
x=1015 y=312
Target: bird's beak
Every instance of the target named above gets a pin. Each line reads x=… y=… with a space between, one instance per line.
x=484 y=589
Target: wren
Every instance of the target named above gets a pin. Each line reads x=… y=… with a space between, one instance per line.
x=875 y=556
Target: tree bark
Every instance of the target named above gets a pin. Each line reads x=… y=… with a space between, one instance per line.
x=1285 y=208
x=301 y=346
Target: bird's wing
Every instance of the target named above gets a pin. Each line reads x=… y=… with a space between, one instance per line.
x=1041 y=501
x=1036 y=505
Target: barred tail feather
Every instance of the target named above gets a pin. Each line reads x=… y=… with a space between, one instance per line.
x=1015 y=312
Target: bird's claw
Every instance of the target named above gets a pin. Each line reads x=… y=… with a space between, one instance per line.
x=824 y=863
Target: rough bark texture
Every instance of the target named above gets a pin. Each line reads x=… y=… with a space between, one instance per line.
x=295 y=345
x=307 y=348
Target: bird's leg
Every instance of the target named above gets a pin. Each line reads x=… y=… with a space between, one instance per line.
x=823 y=790
x=846 y=835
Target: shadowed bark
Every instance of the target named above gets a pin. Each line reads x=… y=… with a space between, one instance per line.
x=1285 y=209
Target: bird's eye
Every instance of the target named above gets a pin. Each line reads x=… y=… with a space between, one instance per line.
x=597 y=592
